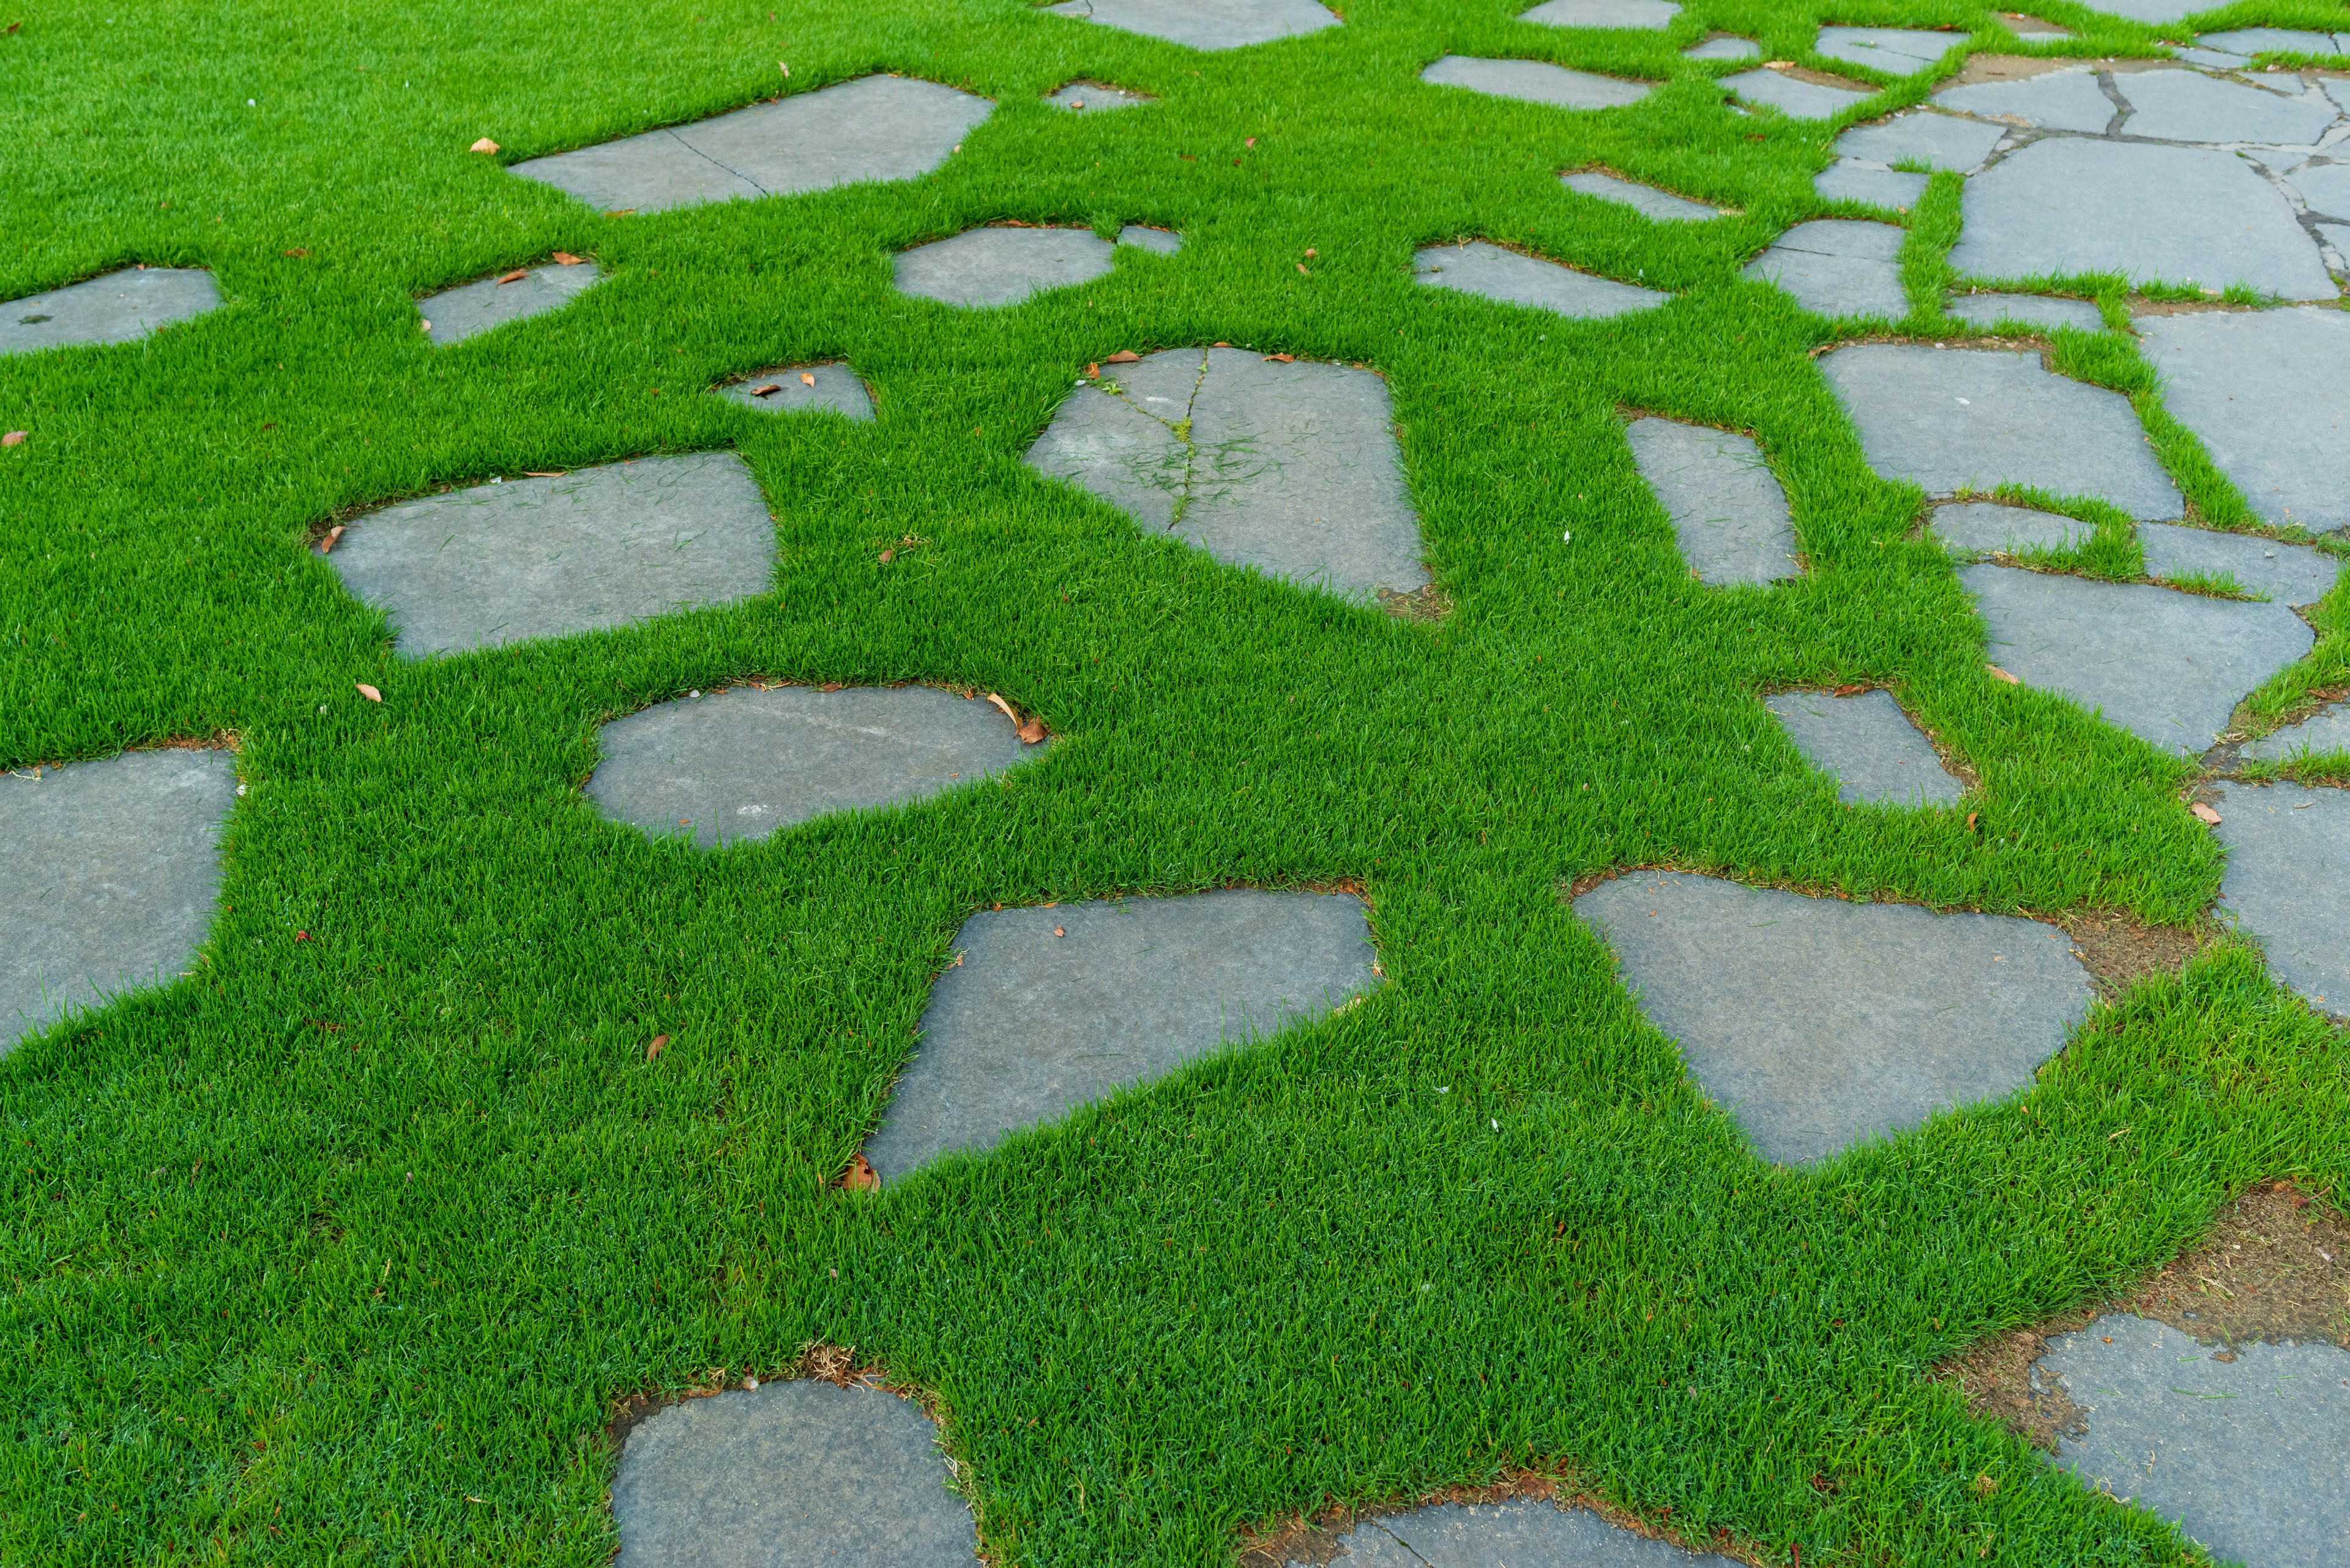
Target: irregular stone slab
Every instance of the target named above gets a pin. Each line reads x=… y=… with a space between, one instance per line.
x=1030 y=1024
x=1867 y=744
x=1000 y=266
x=1291 y=467
x=1972 y=418
x=506 y=561
x=456 y=314
x=1645 y=16
x=113 y=868
x=2218 y=60
x=2317 y=735
x=790 y=389
x=1794 y=97
x=2289 y=573
x=2273 y=41
x=1816 y=1023
x=1838 y=267
x=2054 y=100
x=2167 y=667
x=2246 y=1449
x=1895 y=51
x=1535 y=81
x=1159 y=242
x=2326 y=187
x=1092 y=98
x=1725 y=46
x=2154 y=13
x=119 y=307
x=1844 y=181
x=1988 y=526
x=2033 y=27
x=1921 y=136
x=875 y=128
x=1493 y=273
x=1524 y=1534
x=1729 y=513
x=2288 y=880
x=2045 y=312
x=733 y=767
x=1205 y=24
x=787 y=1474
x=2187 y=106
x=1647 y=200
x=2264 y=392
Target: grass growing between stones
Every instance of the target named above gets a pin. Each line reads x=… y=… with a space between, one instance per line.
x=344 y=1249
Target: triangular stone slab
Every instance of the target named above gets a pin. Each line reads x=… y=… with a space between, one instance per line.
x=2266 y=393
x=1647 y=200
x=1519 y=1533
x=791 y=388
x=2288 y=880
x=1536 y=82
x=1205 y=24
x=456 y=314
x=1729 y=513
x=2289 y=573
x=1867 y=744
x=1001 y=265
x=1795 y=97
x=120 y=307
x=1838 y=267
x=1489 y=272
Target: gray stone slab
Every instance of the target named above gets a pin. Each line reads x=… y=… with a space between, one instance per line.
x=2167 y=667
x=2289 y=573
x=875 y=128
x=1205 y=24
x=1973 y=419
x=2264 y=392
x=2320 y=735
x=1897 y=51
x=791 y=388
x=2339 y=233
x=1846 y=182
x=2339 y=88
x=1725 y=46
x=1975 y=526
x=1729 y=513
x=2288 y=881
x=1647 y=200
x=2042 y=312
x=2154 y=13
x=1000 y=266
x=2271 y=41
x=1536 y=82
x=1794 y=97
x=2326 y=187
x=112 y=870
x=2063 y=99
x=1524 y=1534
x=789 y=1475
x=2179 y=105
x=456 y=314
x=1838 y=267
x=119 y=307
x=1867 y=744
x=1921 y=136
x=506 y=561
x=1092 y=98
x=1030 y=1024
x=734 y=766
x=2217 y=59
x=2247 y=1450
x=1644 y=15
x=1817 y=1023
x=1159 y=241
x=1492 y=273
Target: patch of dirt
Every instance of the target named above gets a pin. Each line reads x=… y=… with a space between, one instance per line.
x=1429 y=604
x=2028 y=26
x=2120 y=949
x=2138 y=306
x=1821 y=78
x=2006 y=69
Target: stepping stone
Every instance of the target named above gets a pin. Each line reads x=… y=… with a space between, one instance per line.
x=1794 y=97
x=2167 y=667
x=506 y=561
x=1645 y=16
x=1159 y=241
x=1988 y=527
x=113 y=868
x=1291 y=467
x=1001 y=265
x=1534 y=81
x=790 y=389
x=1493 y=273
x=456 y=314
x=1972 y=418
x=120 y=307
x=2038 y=311
x=2289 y=573
x=2243 y=1449
x=2217 y=59
x=1204 y=24
x=875 y=128
x=1092 y=98
x=789 y=1473
x=1663 y=205
x=1524 y=1534
x=2154 y=13
x=2064 y=99
x=2326 y=187
x=1895 y=51
x=2274 y=41
x=1867 y=744
x=2288 y=880
x=1029 y=1024
x=1725 y=46
x=1838 y=267
x=1816 y=1023
x=2187 y=106
x=2264 y=392
x=1729 y=513
x=2321 y=733
x=1921 y=136
x=733 y=767
x=1843 y=181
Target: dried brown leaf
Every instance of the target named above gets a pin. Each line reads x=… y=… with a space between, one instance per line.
x=298 y=251
x=2205 y=813
x=334 y=536
x=1000 y=703
x=516 y=276
x=1281 y=359
x=370 y=692
x=1998 y=674
x=13 y=437
x=887 y=557
x=1853 y=691
x=545 y=472
x=1123 y=356
x=1032 y=731
x=1060 y=931
x=806 y=379
x=767 y=391
x=483 y=145
x=564 y=258
x=860 y=1175
x=653 y=1050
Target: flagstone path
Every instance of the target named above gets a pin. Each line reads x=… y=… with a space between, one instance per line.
x=1795 y=97
x=456 y=314
x=2265 y=393
x=1525 y=1533
x=1639 y=16
x=1647 y=200
x=1730 y=516
x=1488 y=271
x=2288 y=880
x=119 y=307
x=1838 y=267
x=1003 y=265
x=790 y=389
x=1204 y=24
x=1535 y=81
x=1867 y=744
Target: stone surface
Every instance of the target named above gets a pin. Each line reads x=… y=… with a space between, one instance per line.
x=1645 y=16
x=2152 y=12
x=2218 y=60
x=2326 y=187
x=2288 y=881
x=2325 y=731
x=1846 y=182
x=1838 y=267
x=120 y=307
x=1091 y=97
x=112 y=870
x=734 y=766
x=1159 y=241
x=1897 y=51
x=1492 y=273
x=597 y=548
x=1725 y=46
x=1817 y=1023
x=2289 y=573
x=1522 y=1533
x=2273 y=41
x=2040 y=311
x=1971 y=419
x=1030 y=1024
x=1729 y=513
x=2166 y=666
x=2067 y=99
x=1000 y=265
x=1986 y=525
x=2187 y=106
x=1290 y=468
x=2265 y=393
x=1921 y=136
x=1867 y=744
x=789 y=1475
x=1794 y=97
x=833 y=385
x=2247 y=1449
x=1534 y=82
x=1205 y=24
x=1661 y=205
x=875 y=128
x=456 y=314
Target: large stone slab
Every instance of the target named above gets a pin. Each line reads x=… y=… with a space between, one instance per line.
x=456 y=314
x=1001 y=265
x=875 y=128
x=506 y=561
x=2290 y=573
x=788 y=1475
x=1817 y=1023
x=791 y=388
x=2320 y=735
x=2326 y=187
x=119 y=307
x=2288 y=881
x=112 y=870
x=1895 y=51
x=1844 y=181
x=1729 y=513
x=2275 y=41
x=1644 y=15
x=1838 y=267
x=1492 y=273
x=1725 y=46
x=1522 y=1533
x=1867 y=744
x=1646 y=200
x=1291 y=467
x=2166 y=666
x=1793 y=95
x=2265 y=393
x=1205 y=24
x=1051 y=1008
x=2064 y=99
x=1961 y=418
x=2187 y=106
x=2040 y=312
x=1989 y=527
x=1536 y=82
x=1921 y=136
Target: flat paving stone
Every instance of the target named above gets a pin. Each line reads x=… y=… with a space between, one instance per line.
x=1726 y=46
x=506 y=561
x=1729 y=513
x=456 y=314
x=1001 y=265
x=2265 y=393
x=1092 y=98
x=1844 y=181
x=1031 y=1023
x=119 y=307
x=2288 y=881
x=2326 y=187
x=2274 y=41
x=2217 y=59
x=2322 y=732
x=2187 y=106
x=113 y=868
x=1641 y=16
x=1536 y=82
x=2152 y=12
x=1986 y=526
x=2040 y=311
x=1492 y=273
x=2247 y=1449
x=788 y=1475
x=1838 y=267
x=2067 y=99
x=1646 y=200
x=1817 y=1023
x=1524 y=1534
x=2167 y=667
x=1205 y=24
x=1867 y=744
x=875 y=128
x=793 y=389
x=1897 y=51
x=1794 y=97
x=733 y=767
x=2289 y=573
x=1938 y=140
x=1159 y=241
x=1971 y=419
x=1291 y=467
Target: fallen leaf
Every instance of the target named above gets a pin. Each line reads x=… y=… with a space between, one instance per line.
x=806 y=379
x=1850 y=690
x=13 y=437
x=1250 y=143
x=426 y=325
x=516 y=276
x=1283 y=358
x=1778 y=65
x=2206 y=813
x=1005 y=706
x=564 y=258
x=1060 y=931
x=2000 y=674
x=1221 y=344
x=297 y=251
x=1309 y=250
x=334 y=536
x=1300 y=267
x=769 y=390
x=654 y=1049
x=830 y=686
x=783 y=68
x=370 y=692
x=889 y=555
x=860 y=1175
x=1032 y=731
x=1123 y=356
x=1971 y=821
x=301 y=936
x=545 y=472
x=483 y=145
x=1094 y=371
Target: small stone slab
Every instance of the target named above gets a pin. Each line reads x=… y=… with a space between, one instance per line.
x=1492 y=273
x=875 y=128
x=1663 y=205
x=734 y=766
x=2326 y=187
x=1644 y=15
x=1972 y=418
x=456 y=314
x=1725 y=46
x=1838 y=267
x=2275 y=41
x=1817 y=1023
x=1159 y=241
x=2289 y=573
x=1729 y=513
x=789 y=1474
x=1522 y=1533
x=1029 y=1024
x=1205 y=24
x=2167 y=667
x=1895 y=51
x=1092 y=98
x=113 y=868
x=1794 y=97
x=2242 y=1447
x=2187 y=106
x=2218 y=60
x=1888 y=188
x=2265 y=393
x=1867 y=744
x=1921 y=136
x=999 y=265
x=2288 y=880
x=1536 y=82
x=2039 y=312
x=1988 y=527
x=2320 y=735
x=792 y=389
x=506 y=561
x=2068 y=100
x=119 y=307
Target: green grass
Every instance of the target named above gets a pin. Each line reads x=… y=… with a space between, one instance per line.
x=344 y=1249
